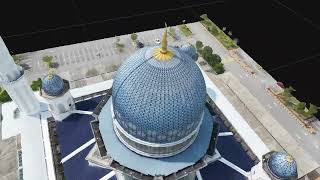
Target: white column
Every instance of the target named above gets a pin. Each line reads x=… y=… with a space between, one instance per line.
x=8 y=69
x=15 y=84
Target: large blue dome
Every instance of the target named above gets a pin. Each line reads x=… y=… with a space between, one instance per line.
x=282 y=165
x=52 y=85
x=159 y=101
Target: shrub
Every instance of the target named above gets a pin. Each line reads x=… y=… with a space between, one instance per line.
x=218 y=68
x=134 y=37
x=199 y=45
x=4 y=96
x=17 y=59
x=36 y=85
x=185 y=30
x=92 y=72
x=172 y=33
x=47 y=60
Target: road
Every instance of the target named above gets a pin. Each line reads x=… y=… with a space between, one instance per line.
x=257 y=87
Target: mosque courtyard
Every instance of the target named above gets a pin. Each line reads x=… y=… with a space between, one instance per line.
x=75 y=131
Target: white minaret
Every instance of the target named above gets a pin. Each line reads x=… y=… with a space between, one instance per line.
x=13 y=81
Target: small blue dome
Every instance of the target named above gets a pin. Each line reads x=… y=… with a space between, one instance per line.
x=159 y=101
x=190 y=50
x=52 y=85
x=282 y=165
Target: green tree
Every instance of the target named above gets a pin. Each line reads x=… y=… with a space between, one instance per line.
x=35 y=85
x=17 y=59
x=199 y=45
x=47 y=60
x=313 y=109
x=207 y=51
x=119 y=46
x=4 y=96
x=218 y=68
x=214 y=30
x=134 y=37
x=287 y=92
x=300 y=107
x=216 y=58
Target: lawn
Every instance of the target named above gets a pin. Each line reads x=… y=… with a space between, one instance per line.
x=185 y=30
x=225 y=40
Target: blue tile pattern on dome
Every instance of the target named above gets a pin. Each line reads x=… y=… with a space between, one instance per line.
x=281 y=167
x=190 y=50
x=52 y=86
x=159 y=102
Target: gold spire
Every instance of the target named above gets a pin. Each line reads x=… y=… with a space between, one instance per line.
x=289 y=158
x=164 y=42
x=162 y=53
x=51 y=73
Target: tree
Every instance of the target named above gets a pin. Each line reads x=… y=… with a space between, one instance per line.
x=17 y=59
x=287 y=92
x=216 y=58
x=199 y=45
x=4 y=96
x=35 y=85
x=218 y=68
x=300 y=107
x=119 y=45
x=134 y=37
x=214 y=30
x=207 y=52
x=313 y=109
x=47 y=60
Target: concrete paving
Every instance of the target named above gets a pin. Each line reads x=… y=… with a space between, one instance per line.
x=8 y=156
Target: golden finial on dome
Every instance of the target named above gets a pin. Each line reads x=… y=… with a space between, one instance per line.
x=162 y=53
x=51 y=73
x=289 y=158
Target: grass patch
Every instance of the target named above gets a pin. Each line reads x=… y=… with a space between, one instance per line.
x=299 y=107
x=225 y=40
x=185 y=30
x=172 y=33
x=4 y=96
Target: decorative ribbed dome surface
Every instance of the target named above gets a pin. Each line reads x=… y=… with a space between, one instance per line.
x=159 y=101
x=282 y=165
x=52 y=85
x=190 y=50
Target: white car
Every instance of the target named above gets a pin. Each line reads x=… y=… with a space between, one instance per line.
x=157 y=41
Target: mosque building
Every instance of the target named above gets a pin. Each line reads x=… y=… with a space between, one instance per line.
x=155 y=125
